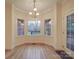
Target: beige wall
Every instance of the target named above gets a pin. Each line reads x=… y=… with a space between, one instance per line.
x=67 y=8
x=42 y=38
x=59 y=25
x=64 y=8
x=8 y=25
x=57 y=14
x=16 y=14
x=51 y=14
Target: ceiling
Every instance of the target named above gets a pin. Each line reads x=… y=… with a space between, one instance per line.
x=27 y=5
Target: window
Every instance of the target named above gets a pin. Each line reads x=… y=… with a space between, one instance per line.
x=47 y=29
x=33 y=28
x=70 y=32
x=20 y=27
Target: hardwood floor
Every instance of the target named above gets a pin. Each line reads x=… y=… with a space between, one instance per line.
x=33 y=52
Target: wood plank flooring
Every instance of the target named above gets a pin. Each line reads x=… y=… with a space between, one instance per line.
x=33 y=52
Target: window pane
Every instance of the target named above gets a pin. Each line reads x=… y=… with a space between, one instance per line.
x=20 y=27
x=70 y=32
x=47 y=30
x=33 y=28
